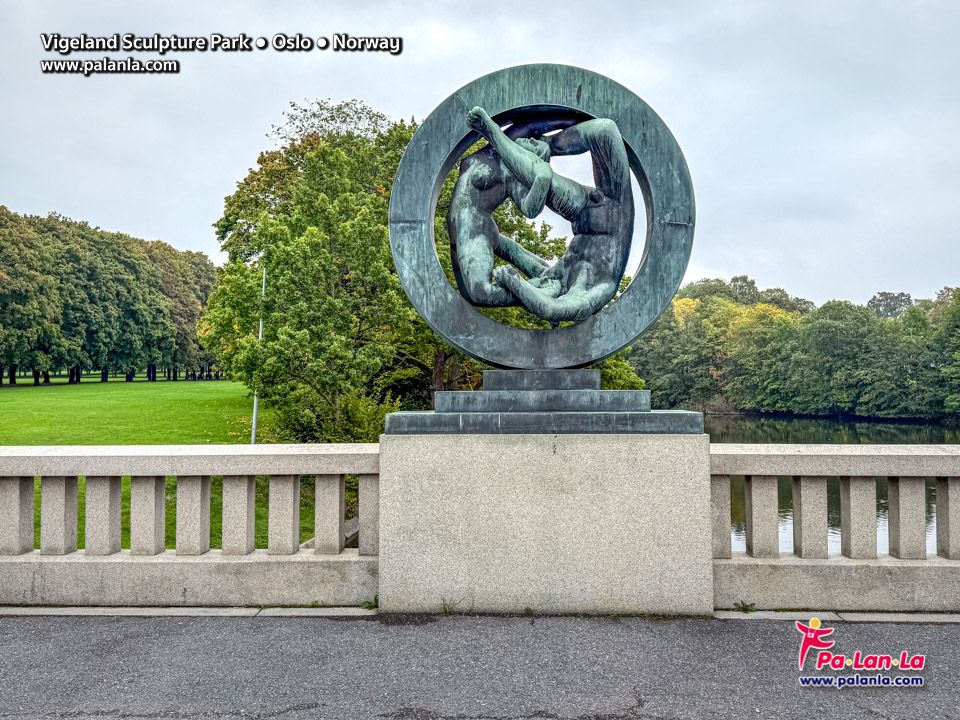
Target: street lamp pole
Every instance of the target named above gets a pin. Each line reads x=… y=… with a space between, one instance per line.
x=256 y=399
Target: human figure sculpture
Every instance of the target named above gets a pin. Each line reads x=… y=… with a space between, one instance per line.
x=588 y=274
x=484 y=184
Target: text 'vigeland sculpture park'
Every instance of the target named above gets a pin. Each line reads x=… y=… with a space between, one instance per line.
x=529 y=115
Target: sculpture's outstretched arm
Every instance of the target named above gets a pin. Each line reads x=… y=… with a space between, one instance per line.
x=525 y=165
x=564 y=196
x=535 y=198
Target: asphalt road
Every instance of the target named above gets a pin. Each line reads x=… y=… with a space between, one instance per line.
x=450 y=667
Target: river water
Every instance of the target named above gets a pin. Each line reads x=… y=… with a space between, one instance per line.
x=733 y=429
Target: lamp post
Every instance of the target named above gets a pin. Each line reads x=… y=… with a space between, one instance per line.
x=256 y=399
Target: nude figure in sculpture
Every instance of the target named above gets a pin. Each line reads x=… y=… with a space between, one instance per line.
x=588 y=274
x=484 y=184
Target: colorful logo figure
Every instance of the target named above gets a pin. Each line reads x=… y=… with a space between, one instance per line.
x=813 y=636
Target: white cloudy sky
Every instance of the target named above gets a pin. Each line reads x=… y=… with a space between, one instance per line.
x=822 y=136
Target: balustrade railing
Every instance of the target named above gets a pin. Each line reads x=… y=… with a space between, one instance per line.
x=905 y=578
x=285 y=572
x=148 y=467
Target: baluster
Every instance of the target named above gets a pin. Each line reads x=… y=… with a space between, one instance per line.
x=810 y=517
x=948 y=517
x=102 y=514
x=906 y=520
x=283 y=530
x=858 y=517
x=720 y=515
x=16 y=515
x=239 y=514
x=329 y=514
x=369 y=514
x=58 y=515
x=193 y=515
x=148 y=515
x=763 y=539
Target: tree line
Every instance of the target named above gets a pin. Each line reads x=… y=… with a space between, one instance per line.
x=728 y=346
x=75 y=298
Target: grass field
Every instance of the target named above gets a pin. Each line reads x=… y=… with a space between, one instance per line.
x=122 y=413
x=141 y=413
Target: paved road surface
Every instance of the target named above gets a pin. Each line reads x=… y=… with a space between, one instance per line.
x=450 y=667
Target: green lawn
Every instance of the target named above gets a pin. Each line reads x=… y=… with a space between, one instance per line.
x=142 y=413
x=121 y=413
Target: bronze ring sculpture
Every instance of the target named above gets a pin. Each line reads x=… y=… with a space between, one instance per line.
x=536 y=100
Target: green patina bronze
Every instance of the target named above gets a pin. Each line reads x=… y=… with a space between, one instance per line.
x=588 y=275
x=547 y=110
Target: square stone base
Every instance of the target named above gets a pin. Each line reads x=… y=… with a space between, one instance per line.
x=601 y=524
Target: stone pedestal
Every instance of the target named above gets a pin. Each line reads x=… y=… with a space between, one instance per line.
x=557 y=523
x=543 y=402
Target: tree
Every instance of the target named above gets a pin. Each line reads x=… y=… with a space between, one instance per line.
x=946 y=354
x=30 y=303
x=778 y=297
x=890 y=305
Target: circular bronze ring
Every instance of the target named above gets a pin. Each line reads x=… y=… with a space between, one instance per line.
x=656 y=161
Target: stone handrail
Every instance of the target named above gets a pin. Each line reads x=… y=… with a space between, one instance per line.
x=835 y=460
x=348 y=458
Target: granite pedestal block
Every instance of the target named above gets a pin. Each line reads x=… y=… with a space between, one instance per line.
x=567 y=523
x=543 y=402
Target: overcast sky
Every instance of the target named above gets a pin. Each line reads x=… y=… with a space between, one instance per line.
x=822 y=137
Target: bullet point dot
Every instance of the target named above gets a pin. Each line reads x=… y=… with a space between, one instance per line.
x=322 y=43
x=261 y=43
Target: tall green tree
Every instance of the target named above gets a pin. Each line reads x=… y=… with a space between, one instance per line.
x=30 y=303
x=890 y=305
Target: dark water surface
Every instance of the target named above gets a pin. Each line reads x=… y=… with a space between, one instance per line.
x=735 y=429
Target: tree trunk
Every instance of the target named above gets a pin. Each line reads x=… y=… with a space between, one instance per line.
x=176 y=373
x=74 y=375
x=129 y=376
x=104 y=375
x=46 y=377
x=36 y=377
x=440 y=358
x=13 y=374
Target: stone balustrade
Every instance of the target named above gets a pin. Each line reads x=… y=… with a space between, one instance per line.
x=858 y=578
x=191 y=574
x=147 y=573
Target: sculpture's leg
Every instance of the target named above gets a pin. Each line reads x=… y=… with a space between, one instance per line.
x=530 y=264
x=476 y=270
x=576 y=305
x=602 y=139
